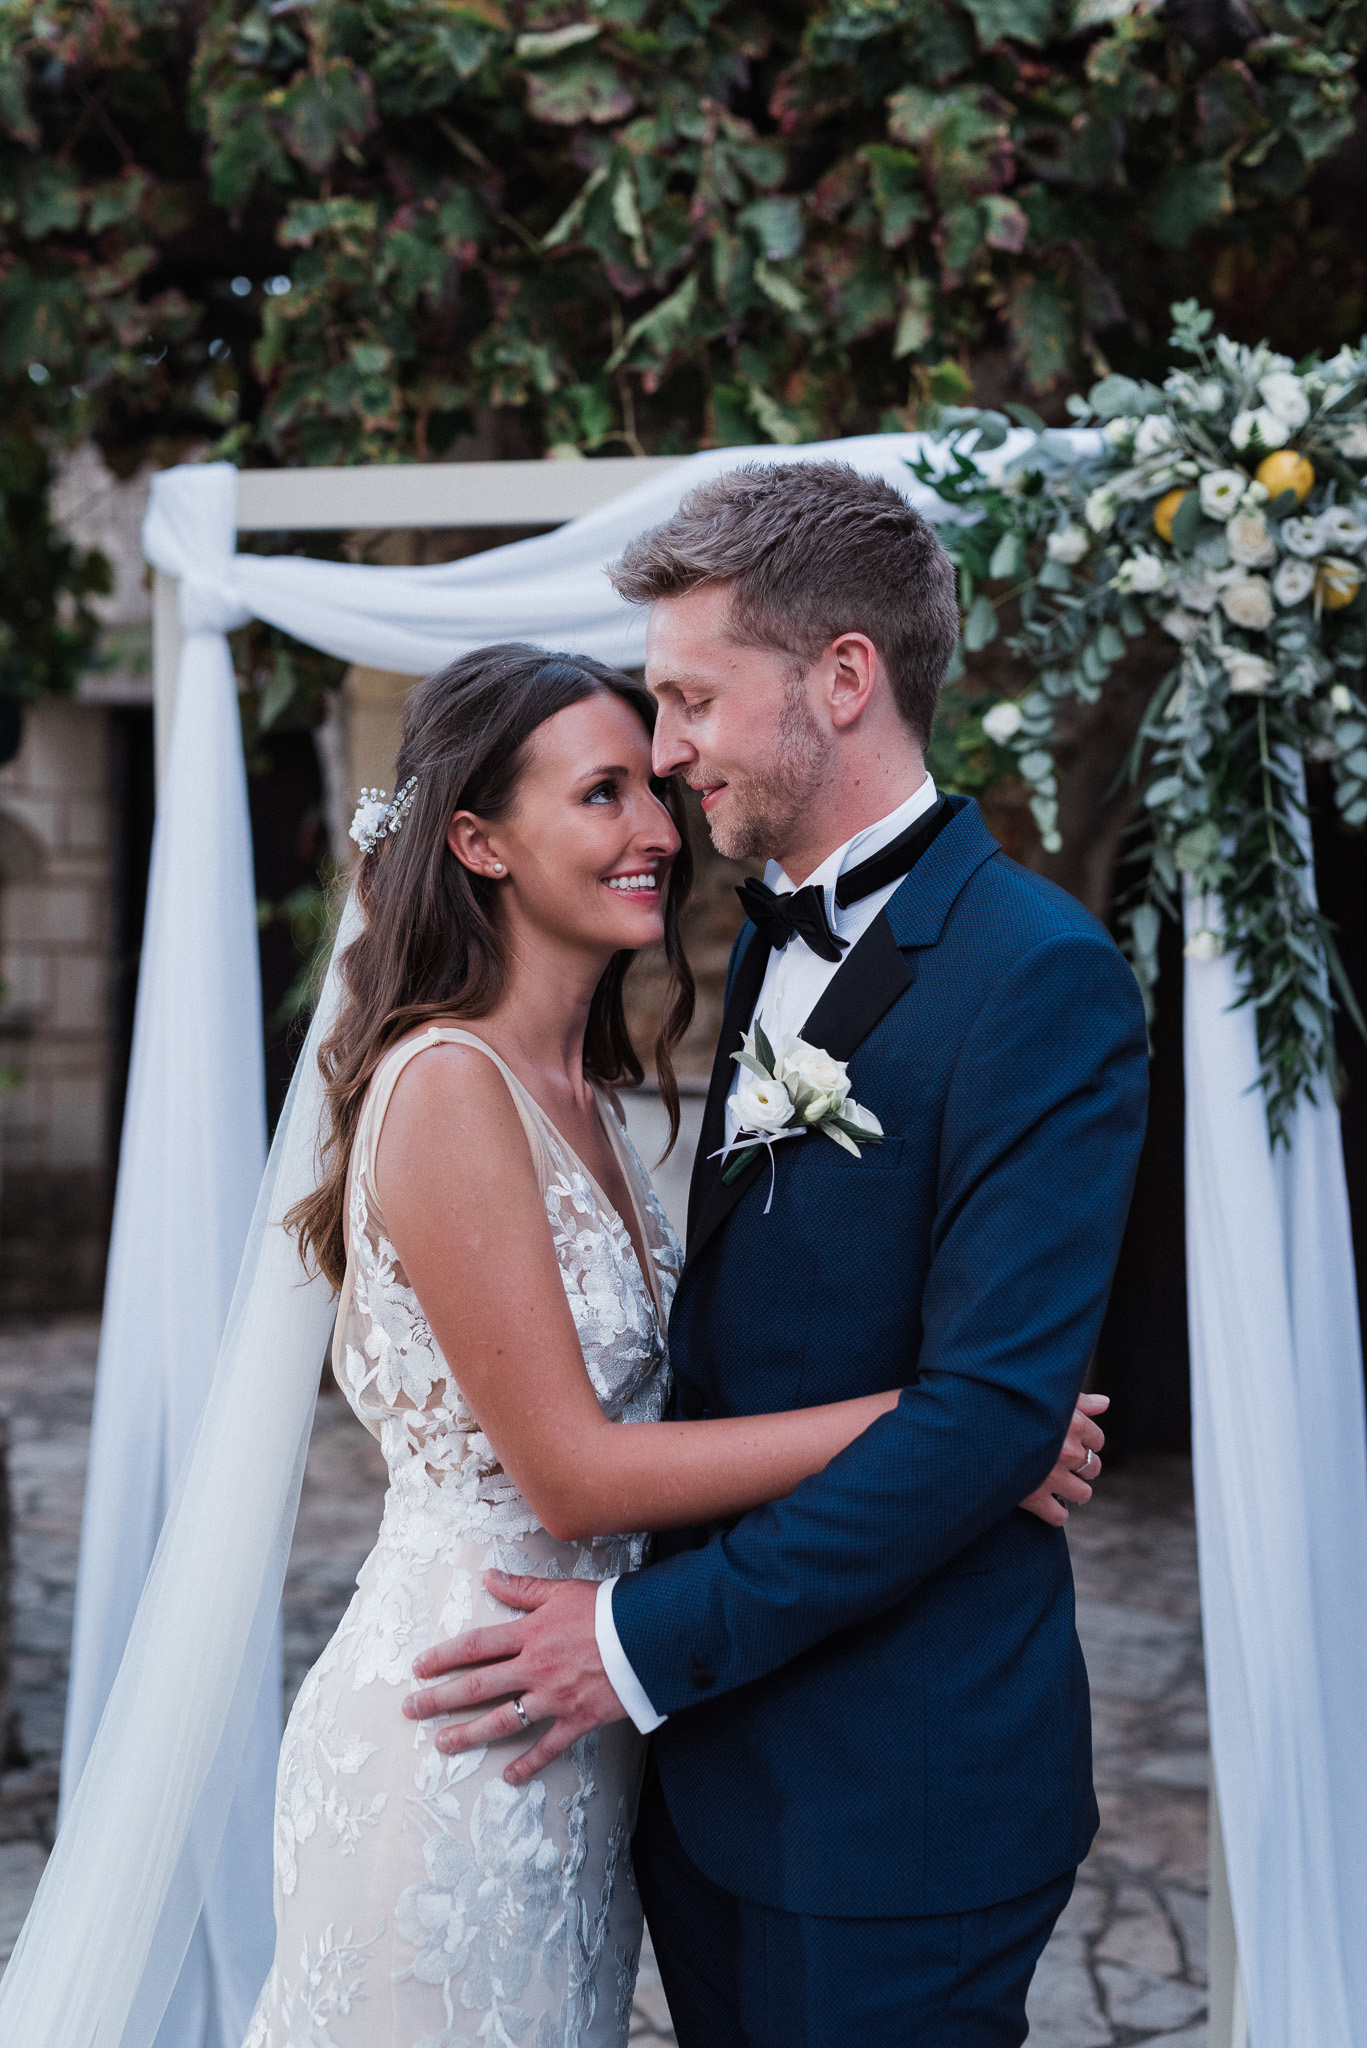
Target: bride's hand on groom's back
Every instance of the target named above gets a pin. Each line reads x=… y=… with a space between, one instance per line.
x=1066 y=1483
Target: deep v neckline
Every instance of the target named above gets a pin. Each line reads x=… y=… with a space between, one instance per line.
x=609 y=1208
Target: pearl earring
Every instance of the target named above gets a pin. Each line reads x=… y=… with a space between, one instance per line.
x=498 y=867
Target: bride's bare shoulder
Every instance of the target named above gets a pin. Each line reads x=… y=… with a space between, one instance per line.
x=450 y=1100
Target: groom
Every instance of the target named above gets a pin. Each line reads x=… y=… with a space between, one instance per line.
x=870 y=1778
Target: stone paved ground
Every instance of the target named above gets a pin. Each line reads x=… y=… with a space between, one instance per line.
x=1127 y=1963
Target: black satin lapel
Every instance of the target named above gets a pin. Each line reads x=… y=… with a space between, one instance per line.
x=860 y=992
x=740 y=1008
x=719 y=1200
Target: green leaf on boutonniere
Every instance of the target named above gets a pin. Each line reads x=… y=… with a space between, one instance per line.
x=735 y=1167
x=747 y=1059
x=857 y=1131
x=765 y=1051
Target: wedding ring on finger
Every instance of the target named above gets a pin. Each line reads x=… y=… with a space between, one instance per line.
x=521 y=1713
x=1085 y=1467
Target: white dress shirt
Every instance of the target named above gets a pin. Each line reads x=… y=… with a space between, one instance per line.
x=795 y=980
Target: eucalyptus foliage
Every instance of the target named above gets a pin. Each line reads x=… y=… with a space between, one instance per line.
x=1226 y=510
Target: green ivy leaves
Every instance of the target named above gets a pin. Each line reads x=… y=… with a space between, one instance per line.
x=627 y=224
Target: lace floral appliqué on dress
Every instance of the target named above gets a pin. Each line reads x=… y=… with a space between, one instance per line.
x=421 y=1902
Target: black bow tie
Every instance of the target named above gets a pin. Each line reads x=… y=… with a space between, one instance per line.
x=801 y=913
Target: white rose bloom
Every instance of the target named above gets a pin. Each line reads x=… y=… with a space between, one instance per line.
x=1182 y=625
x=762 y=1105
x=1143 y=573
x=1269 y=427
x=1119 y=432
x=1204 y=945
x=1250 y=543
x=1100 y=509
x=1283 y=394
x=1353 y=440
x=1197 y=590
x=1002 y=722
x=1154 y=435
x=1248 y=603
x=1337 y=528
x=1293 y=581
x=1068 y=544
x=1221 y=490
x=1249 y=674
x=807 y=1066
x=1341 y=697
x=1301 y=537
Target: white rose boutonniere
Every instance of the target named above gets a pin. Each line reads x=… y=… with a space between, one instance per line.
x=763 y=1105
x=787 y=1093
x=805 y=1067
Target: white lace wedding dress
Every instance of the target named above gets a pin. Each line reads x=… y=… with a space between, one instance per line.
x=420 y=1901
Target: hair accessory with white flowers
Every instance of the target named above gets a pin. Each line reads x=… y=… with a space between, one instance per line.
x=378 y=815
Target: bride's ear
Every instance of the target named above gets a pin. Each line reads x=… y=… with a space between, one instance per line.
x=469 y=841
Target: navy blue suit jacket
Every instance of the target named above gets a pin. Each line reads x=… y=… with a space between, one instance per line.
x=877 y=1700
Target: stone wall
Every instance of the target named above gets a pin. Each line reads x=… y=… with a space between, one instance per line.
x=56 y=862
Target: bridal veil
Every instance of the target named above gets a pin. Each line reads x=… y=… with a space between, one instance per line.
x=103 y=1945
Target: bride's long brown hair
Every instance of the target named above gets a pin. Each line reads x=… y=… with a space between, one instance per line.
x=431 y=945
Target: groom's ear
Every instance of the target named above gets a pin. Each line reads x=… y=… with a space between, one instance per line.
x=853 y=670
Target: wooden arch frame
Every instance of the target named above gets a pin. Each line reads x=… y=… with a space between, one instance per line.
x=375 y=497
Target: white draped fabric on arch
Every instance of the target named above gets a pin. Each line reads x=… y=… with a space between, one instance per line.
x=1280 y=1447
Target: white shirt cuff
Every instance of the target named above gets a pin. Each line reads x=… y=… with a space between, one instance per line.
x=621 y=1677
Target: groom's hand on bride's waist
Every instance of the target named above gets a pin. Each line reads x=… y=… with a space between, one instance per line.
x=547 y=1660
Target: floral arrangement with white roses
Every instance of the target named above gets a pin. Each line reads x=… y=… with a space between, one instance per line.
x=1228 y=512
x=787 y=1091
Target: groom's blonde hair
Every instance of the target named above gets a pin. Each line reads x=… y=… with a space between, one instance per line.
x=811 y=550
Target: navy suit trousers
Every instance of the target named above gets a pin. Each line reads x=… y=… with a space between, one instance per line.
x=742 y=1975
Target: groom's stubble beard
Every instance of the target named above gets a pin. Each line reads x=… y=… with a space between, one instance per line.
x=766 y=807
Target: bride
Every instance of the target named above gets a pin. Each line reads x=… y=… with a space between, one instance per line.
x=504 y=1274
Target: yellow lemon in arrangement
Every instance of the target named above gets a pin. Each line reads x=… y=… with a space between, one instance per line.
x=1286 y=471
x=1337 y=582
x=1164 y=512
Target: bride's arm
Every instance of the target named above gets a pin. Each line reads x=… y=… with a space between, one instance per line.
x=463 y=1209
